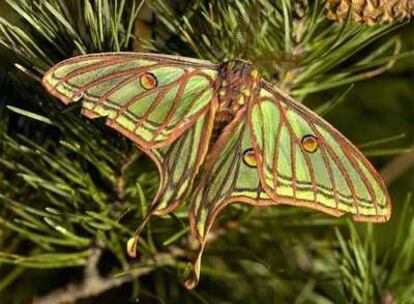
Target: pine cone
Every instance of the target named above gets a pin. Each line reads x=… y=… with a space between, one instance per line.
x=370 y=11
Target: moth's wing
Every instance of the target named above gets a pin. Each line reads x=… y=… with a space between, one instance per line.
x=165 y=104
x=304 y=161
x=179 y=163
x=152 y=99
x=226 y=178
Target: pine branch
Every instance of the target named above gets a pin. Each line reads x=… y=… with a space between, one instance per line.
x=94 y=284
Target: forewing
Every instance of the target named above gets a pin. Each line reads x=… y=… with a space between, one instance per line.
x=152 y=99
x=304 y=161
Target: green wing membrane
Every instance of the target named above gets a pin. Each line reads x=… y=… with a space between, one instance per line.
x=112 y=85
x=179 y=163
x=226 y=179
x=336 y=178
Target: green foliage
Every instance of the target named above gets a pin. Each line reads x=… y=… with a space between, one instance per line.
x=291 y=41
x=70 y=187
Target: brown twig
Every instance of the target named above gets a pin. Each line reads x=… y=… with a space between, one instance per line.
x=94 y=284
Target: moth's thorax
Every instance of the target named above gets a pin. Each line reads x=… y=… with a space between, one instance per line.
x=237 y=82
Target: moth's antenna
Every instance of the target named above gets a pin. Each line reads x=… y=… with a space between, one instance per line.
x=246 y=28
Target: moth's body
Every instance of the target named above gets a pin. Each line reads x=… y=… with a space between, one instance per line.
x=246 y=140
x=237 y=83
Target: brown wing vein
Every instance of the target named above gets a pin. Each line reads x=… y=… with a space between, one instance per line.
x=350 y=157
x=305 y=156
x=342 y=169
x=88 y=68
x=328 y=167
x=233 y=164
x=118 y=86
x=177 y=159
x=139 y=97
x=263 y=156
x=276 y=156
x=173 y=108
x=154 y=105
x=104 y=78
x=292 y=147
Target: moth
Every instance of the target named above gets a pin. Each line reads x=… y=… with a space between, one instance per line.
x=245 y=140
